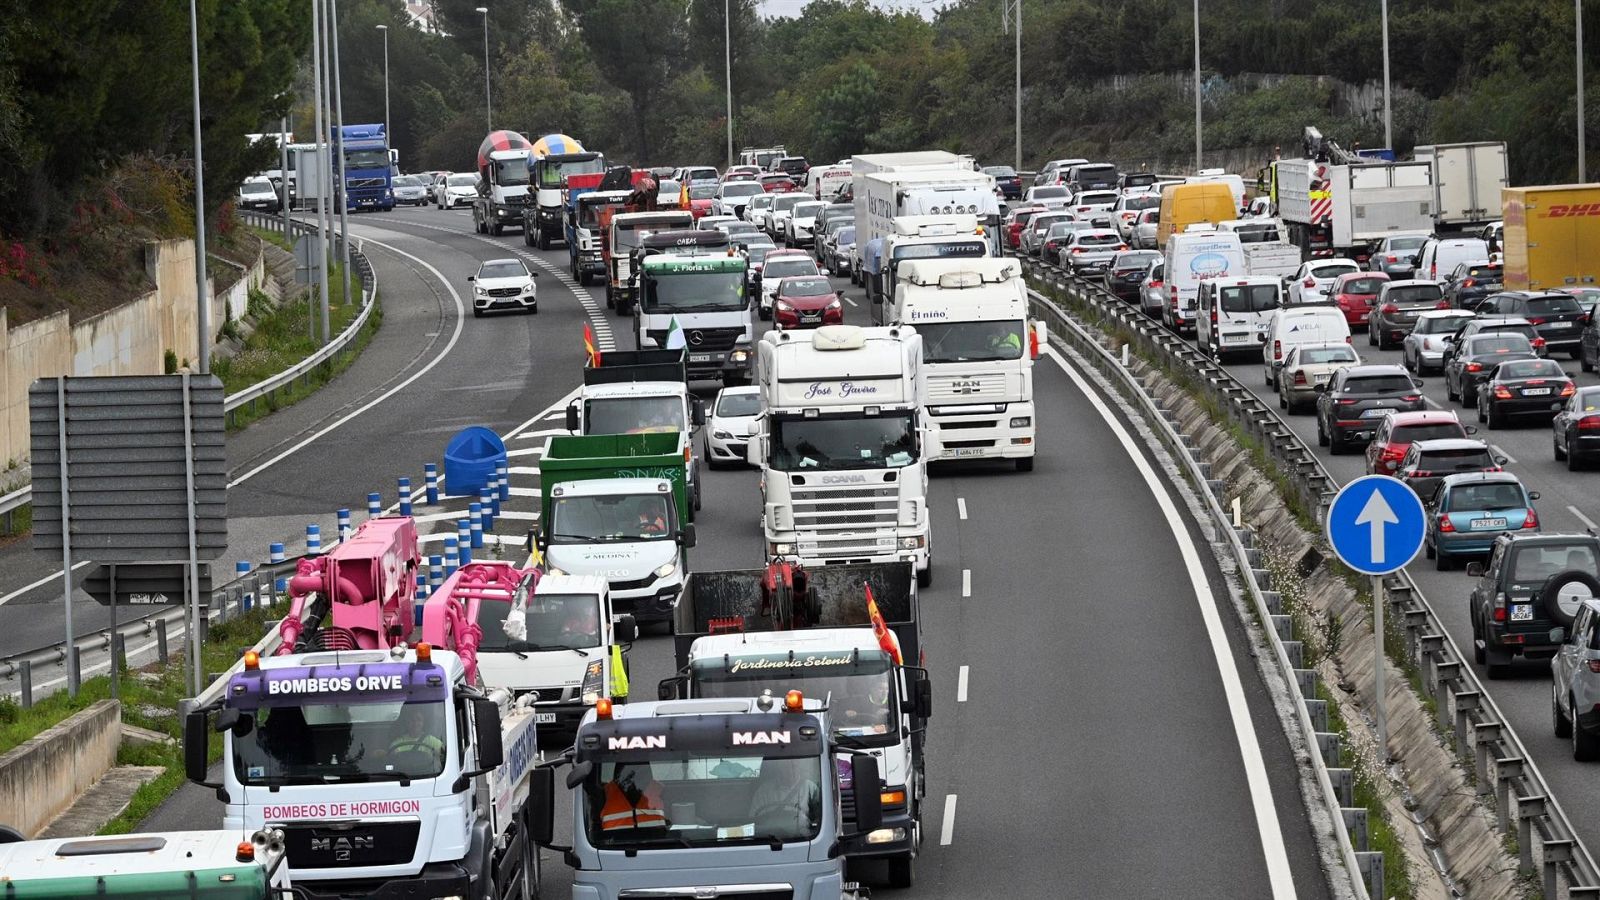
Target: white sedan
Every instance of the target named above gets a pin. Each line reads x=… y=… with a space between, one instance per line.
x=733 y=419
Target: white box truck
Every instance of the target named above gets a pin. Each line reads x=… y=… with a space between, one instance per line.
x=1467 y=179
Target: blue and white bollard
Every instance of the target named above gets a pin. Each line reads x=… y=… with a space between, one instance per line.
x=487 y=507
x=435 y=573
x=430 y=480
x=464 y=540
x=494 y=495
x=475 y=522
x=344 y=524
x=374 y=504
x=280 y=588
x=313 y=539
x=247 y=599
x=275 y=553
x=503 y=473
x=422 y=592
x=405 y=496
x=452 y=556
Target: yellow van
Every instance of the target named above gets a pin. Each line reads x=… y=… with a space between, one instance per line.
x=1183 y=205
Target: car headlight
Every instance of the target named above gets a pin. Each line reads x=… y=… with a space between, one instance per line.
x=739 y=356
x=1021 y=421
x=722 y=435
x=785 y=306
x=481 y=292
x=836 y=304
x=665 y=569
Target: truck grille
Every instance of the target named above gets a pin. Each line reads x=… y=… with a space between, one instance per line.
x=846 y=522
x=517 y=200
x=366 y=182
x=351 y=844
x=701 y=340
x=976 y=389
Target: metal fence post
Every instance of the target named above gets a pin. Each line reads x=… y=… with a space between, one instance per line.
x=1506 y=771
x=25 y=679
x=1528 y=809
x=161 y=640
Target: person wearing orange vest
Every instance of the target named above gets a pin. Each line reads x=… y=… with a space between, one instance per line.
x=629 y=805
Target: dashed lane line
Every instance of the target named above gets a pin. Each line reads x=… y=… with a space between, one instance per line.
x=1587 y=522
x=966 y=582
x=961 y=508
x=961 y=685
x=1497 y=449
x=947 y=829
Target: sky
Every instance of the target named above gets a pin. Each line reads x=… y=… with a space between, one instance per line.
x=790 y=8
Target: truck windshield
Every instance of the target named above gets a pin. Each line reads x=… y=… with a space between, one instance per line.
x=612 y=518
x=511 y=171
x=551 y=174
x=703 y=800
x=553 y=622
x=947 y=342
x=851 y=441
x=633 y=415
x=589 y=213
x=628 y=235
x=861 y=701
x=695 y=292
x=339 y=738
x=377 y=158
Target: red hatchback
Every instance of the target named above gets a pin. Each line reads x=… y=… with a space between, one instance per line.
x=1355 y=293
x=806 y=301
x=1400 y=429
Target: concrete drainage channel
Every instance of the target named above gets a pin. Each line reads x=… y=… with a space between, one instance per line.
x=1463 y=778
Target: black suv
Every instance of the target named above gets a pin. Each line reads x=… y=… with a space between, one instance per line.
x=1555 y=315
x=1528 y=593
x=1355 y=401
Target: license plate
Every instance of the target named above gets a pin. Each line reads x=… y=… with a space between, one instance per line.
x=1235 y=338
x=1535 y=392
x=1478 y=524
x=1375 y=413
x=1521 y=612
x=1321 y=379
x=540 y=718
x=700 y=357
x=967 y=451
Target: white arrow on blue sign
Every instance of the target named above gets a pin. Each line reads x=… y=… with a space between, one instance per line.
x=1376 y=524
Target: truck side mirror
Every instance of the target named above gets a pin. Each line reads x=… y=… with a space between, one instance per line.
x=542 y=806
x=672 y=688
x=868 y=786
x=196 y=735
x=572 y=417
x=627 y=629
x=924 y=697
x=686 y=535
x=697 y=411
x=756 y=450
x=486 y=728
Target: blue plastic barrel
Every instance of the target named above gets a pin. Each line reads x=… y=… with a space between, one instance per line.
x=470 y=459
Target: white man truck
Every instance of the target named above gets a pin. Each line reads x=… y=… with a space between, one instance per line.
x=730 y=798
x=735 y=640
x=641 y=392
x=204 y=865
x=978 y=348
x=882 y=197
x=388 y=773
x=922 y=237
x=841 y=447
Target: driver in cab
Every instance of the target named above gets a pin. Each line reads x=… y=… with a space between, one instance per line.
x=632 y=800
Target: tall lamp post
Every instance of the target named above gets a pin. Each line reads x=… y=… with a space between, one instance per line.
x=488 y=110
x=1199 y=157
x=385 y=30
x=1583 y=168
x=727 y=69
x=203 y=314
x=1388 y=105
x=1006 y=11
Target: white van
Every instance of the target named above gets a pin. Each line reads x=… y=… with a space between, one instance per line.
x=1440 y=256
x=1234 y=313
x=1293 y=325
x=1193 y=257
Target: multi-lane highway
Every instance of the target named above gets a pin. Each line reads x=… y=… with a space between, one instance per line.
x=1100 y=726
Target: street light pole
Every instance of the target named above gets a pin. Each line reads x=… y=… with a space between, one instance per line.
x=1388 y=105
x=727 y=69
x=1199 y=158
x=203 y=360
x=488 y=110
x=324 y=168
x=1583 y=169
x=385 y=30
x=344 y=186
x=1006 y=10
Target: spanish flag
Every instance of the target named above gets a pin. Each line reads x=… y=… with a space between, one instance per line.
x=588 y=345
x=683 y=195
x=886 y=638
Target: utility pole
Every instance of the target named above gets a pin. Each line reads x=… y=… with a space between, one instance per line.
x=203 y=320
x=488 y=108
x=324 y=170
x=1388 y=105
x=1583 y=168
x=1199 y=156
x=344 y=190
x=727 y=68
x=385 y=30
x=1006 y=11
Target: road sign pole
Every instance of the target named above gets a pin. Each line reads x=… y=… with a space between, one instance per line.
x=1380 y=662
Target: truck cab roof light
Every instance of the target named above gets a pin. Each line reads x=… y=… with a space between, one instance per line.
x=424 y=652
x=794 y=701
x=252 y=660
x=602 y=708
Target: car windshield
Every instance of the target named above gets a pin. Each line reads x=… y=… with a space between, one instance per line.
x=1250 y=298
x=1049 y=192
x=1414 y=293
x=408 y=181
x=509 y=269
x=742 y=404
x=786 y=204
x=611 y=518
x=1406 y=434
x=1504 y=341
x=849 y=441
x=1000 y=171
x=846 y=236
x=340 y=739
x=740 y=189
x=632 y=415
x=550 y=622
x=1539 y=562
x=694 y=291
x=1589 y=400
x=1466 y=459
x=1137 y=260
x=1553 y=306
x=689 y=800
x=860 y=698
x=1532 y=368
x=808 y=210
x=1326 y=355
x=1363 y=286
x=1485 y=275
x=1334 y=271
x=946 y=342
x=461 y=180
x=761 y=201
x=1098 y=240
x=1378 y=384
x=1410 y=242
x=257 y=187
x=1500 y=495
x=735 y=228
x=787 y=268
x=513 y=171
x=1097 y=198
x=1441 y=324
x=1060 y=230
x=702 y=191
x=551 y=174
x=1142 y=202
x=805 y=287
x=758 y=252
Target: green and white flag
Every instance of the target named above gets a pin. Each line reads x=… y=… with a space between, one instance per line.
x=675 y=339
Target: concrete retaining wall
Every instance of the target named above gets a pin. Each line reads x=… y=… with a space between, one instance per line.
x=41 y=778
x=131 y=339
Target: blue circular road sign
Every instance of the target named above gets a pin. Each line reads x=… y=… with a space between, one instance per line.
x=1376 y=524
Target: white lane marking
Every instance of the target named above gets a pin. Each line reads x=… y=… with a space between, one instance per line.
x=523 y=492
x=455 y=336
x=966 y=582
x=437 y=537
x=961 y=686
x=1587 y=522
x=41 y=582
x=524 y=451
x=1432 y=402
x=522 y=470
x=545 y=432
x=851 y=302
x=1509 y=458
x=948 y=828
x=961 y=508
x=1266 y=814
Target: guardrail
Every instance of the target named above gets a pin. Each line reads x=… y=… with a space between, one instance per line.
x=1506 y=775
x=94 y=650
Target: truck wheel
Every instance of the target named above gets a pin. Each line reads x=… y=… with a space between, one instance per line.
x=925 y=577
x=902 y=871
x=527 y=236
x=542 y=241
x=610 y=303
x=530 y=862
x=1025 y=464
x=497 y=229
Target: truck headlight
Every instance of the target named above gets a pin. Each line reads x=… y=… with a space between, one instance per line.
x=1021 y=421
x=593 y=682
x=911 y=543
x=777 y=549
x=665 y=569
x=739 y=356
x=886 y=835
